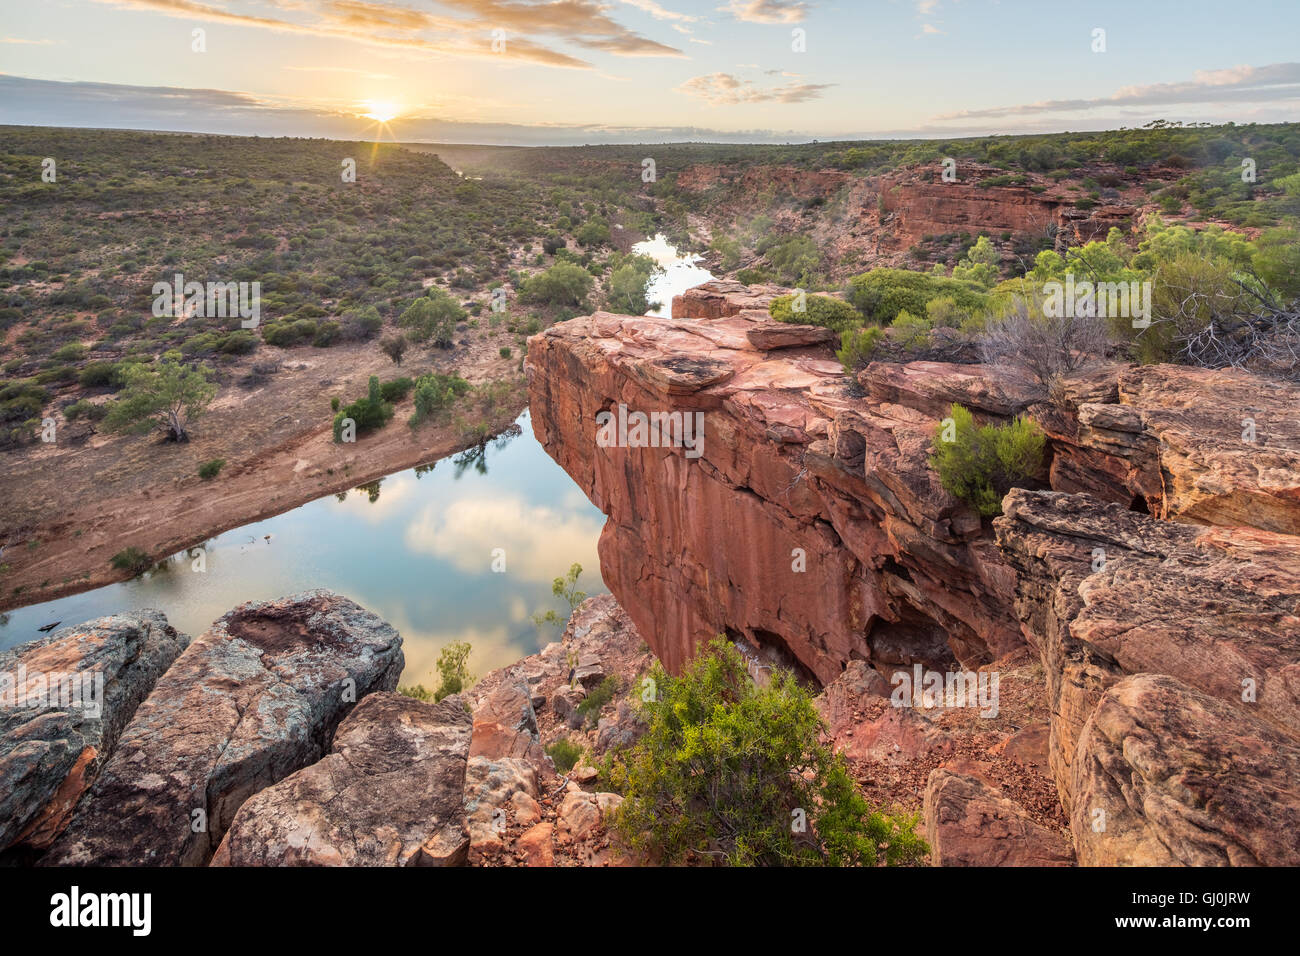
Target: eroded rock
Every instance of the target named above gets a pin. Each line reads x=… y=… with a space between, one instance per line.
x=64 y=702
x=254 y=698
x=390 y=793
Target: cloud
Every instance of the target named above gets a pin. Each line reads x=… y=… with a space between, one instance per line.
x=658 y=12
x=376 y=23
x=25 y=42
x=1275 y=82
x=724 y=89
x=930 y=29
x=537 y=539
x=767 y=11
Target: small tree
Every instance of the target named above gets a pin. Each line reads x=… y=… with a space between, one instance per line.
x=432 y=318
x=167 y=394
x=564 y=283
x=452 y=666
x=566 y=588
x=394 y=347
x=735 y=772
x=1050 y=347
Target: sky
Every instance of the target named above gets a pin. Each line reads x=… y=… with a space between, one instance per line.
x=566 y=72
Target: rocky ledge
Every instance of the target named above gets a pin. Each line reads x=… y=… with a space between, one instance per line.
x=805 y=522
x=254 y=698
x=64 y=702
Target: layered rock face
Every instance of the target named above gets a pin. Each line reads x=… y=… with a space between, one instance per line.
x=1172 y=656
x=253 y=699
x=931 y=206
x=64 y=701
x=807 y=523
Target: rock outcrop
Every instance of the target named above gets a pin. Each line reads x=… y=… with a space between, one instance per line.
x=64 y=702
x=390 y=793
x=255 y=698
x=801 y=518
x=1172 y=658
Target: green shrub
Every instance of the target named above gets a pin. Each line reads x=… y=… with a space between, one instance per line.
x=368 y=413
x=396 y=389
x=133 y=560
x=85 y=409
x=857 y=346
x=72 y=352
x=210 y=469
x=818 y=310
x=980 y=464
x=452 y=667
x=505 y=351
x=432 y=318
x=882 y=293
x=416 y=691
x=100 y=375
x=728 y=770
x=604 y=692
x=435 y=392
x=564 y=754
x=563 y=284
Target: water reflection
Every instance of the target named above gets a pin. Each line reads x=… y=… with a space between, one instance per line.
x=679 y=273
x=417 y=548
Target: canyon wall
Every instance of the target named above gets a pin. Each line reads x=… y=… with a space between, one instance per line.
x=812 y=528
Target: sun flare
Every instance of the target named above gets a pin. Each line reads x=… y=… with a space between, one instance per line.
x=381 y=112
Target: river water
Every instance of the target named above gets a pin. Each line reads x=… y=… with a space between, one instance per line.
x=418 y=548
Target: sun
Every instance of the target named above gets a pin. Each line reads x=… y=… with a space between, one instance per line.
x=381 y=111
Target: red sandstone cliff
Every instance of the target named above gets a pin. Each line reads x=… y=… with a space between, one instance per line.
x=812 y=527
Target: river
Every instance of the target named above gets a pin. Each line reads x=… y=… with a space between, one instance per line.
x=418 y=548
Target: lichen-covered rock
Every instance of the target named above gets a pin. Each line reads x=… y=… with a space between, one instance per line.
x=390 y=793
x=254 y=698
x=1167 y=775
x=64 y=702
x=1106 y=592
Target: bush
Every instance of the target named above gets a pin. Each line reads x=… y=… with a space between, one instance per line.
x=368 y=413
x=980 y=464
x=100 y=375
x=505 y=351
x=564 y=283
x=396 y=389
x=857 y=346
x=590 y=705
x=210 y=469
x=133 y=560
x=726 y=769
x=435 y=392
x=394 y=347
x=882 y=293
x=818 y=310
x=564 y=754
x=85 y=409
x=362 y=325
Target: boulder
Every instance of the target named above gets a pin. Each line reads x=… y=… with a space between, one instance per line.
x=969 y=822
x=390 y=793
x=53 y=744
x=254 y=698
